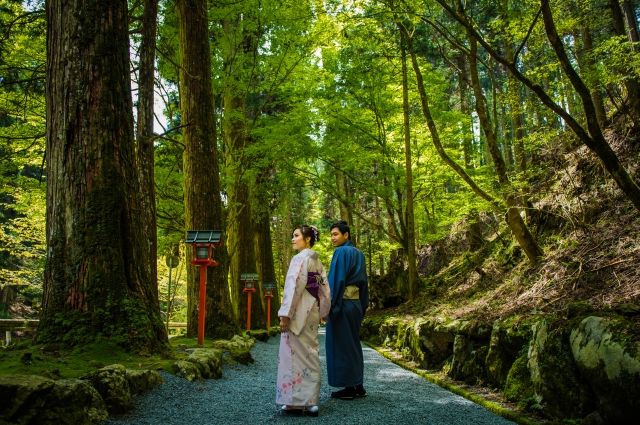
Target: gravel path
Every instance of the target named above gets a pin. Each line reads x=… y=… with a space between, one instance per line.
x=246 y=395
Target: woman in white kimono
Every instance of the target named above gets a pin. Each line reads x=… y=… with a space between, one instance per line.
x=305 y=301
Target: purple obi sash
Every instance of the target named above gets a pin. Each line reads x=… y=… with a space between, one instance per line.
x=313 y=278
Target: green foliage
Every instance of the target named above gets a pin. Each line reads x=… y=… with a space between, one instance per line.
x=22 y=126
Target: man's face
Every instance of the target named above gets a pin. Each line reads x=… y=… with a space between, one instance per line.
x=337 y=238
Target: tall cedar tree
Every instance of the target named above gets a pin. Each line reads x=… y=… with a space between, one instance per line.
x=144 y=135
x=96 y=278
x=240 y=226
x=202 y=201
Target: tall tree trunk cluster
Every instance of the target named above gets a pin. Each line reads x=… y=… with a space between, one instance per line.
x=97 y=279
x=203 y=204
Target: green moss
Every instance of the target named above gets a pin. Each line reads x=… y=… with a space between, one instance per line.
x=519 y=386
x=73 y=362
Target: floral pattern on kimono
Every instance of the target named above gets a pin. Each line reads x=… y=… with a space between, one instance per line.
x=299 y=361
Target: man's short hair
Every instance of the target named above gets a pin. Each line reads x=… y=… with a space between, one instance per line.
x=342 y=226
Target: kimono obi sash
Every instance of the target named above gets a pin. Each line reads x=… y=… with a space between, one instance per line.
x=312 y=284
x=351 y=292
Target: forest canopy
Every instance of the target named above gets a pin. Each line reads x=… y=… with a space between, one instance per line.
x=404 y=118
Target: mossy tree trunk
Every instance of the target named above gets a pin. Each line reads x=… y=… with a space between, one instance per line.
x=97 y=278
x=410 y=245
x=202 y=201
x=264 y=249
x=632 y=83
x=144 y=136
x=240 y=223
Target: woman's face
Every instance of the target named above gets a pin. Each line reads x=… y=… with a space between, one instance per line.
x=298 y=242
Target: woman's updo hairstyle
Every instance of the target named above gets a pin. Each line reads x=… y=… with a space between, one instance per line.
x=310 y=232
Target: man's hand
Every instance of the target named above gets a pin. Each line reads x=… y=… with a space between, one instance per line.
x=284 y=324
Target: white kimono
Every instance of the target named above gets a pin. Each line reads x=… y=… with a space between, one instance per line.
x=299 y=360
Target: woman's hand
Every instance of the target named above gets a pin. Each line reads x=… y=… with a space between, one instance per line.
x=284 y=324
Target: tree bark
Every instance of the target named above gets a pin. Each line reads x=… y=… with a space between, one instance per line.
x=96 y=279
x=433 y=130
x=590 y=65
x=410 y=245
x=144 y=137
x=265 y=263
x=240 y=226
x=631 y=83
x=516 y=223
x=632 y=22
x=465 y=110
x=202 y=201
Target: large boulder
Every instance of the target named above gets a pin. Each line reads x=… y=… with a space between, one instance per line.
x=560 y=389
x=97 y=409
x=468 y=361
x=208 y=361
x=461 y=363
x=29 y=399
x=69 y=403
x=111 y=383
x=142 y=380
x=22 y=397
x=606 y=354
x=519 y=387
x=187 y=370
x=508 y=338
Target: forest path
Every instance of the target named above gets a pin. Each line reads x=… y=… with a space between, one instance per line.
x=246 y=395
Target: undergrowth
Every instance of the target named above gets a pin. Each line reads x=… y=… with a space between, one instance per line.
x=589 y=235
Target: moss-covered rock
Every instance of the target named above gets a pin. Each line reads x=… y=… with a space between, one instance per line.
x=241 y=355
x=186 y=370
x=208 y=361
x=578 y=308
x=560 y=390
x=244 y=340
x=97 y=409
x=508 y=338
x=610 y=359
x=460 y=363
x=22 y=397
x=28 y=399
x=519 y=386
x=259 y=335
x=68 y=403
x=142 y=380
x=111 y=383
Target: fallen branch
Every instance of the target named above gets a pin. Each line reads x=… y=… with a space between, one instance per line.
x=608 y=265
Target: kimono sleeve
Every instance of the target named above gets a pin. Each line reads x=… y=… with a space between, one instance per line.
x=337 y=279
x=292 y=292
x=324 y=293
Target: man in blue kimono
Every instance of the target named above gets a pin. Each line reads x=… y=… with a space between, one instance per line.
x=349 y=301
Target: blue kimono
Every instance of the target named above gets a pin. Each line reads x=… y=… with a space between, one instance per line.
x=345 y=364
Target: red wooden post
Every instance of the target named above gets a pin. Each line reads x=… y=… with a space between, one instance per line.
x=249 y=290
x=249 y=311
x=268 y=312
x=202 y=309
x=269 y=288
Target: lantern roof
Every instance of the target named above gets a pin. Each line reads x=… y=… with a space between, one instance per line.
x=204 y=237
x=268 y=285
x=249 y=276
